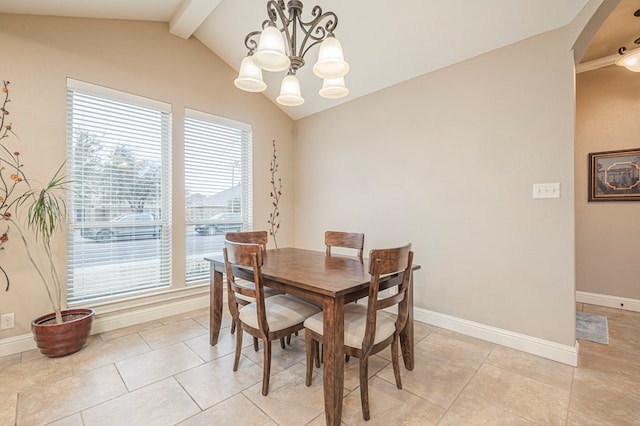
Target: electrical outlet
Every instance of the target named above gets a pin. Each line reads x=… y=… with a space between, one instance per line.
x=7 y=321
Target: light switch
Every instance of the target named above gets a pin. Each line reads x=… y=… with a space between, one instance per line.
x=546 y=190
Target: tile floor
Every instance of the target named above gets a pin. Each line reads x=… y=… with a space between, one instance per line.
x=165 y=373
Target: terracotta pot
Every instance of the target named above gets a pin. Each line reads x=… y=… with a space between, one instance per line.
x=56 y=340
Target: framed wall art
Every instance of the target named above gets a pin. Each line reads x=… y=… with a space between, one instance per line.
x=614 y=175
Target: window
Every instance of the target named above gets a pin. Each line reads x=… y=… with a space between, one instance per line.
x=119 y=217
x=217 y=186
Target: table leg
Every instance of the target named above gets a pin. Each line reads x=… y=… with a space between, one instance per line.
x=333 y=373
x=406 y=335
x=215 y=305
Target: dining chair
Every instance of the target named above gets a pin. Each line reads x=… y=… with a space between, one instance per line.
x=351 y=240
x=367 y=329
x=268 y=319
x=249 y=237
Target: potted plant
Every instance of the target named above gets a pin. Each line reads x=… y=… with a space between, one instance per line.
x=61 y=332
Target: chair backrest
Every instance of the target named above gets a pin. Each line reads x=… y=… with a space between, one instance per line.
x=247 y=256
x=350 y=240
x=249 y=237
x=382 y=263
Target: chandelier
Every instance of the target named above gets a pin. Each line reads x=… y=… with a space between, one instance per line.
x=282 y=44
x=630 y=59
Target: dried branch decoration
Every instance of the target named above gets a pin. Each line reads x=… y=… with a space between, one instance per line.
x=276 y=193
x=45 y=207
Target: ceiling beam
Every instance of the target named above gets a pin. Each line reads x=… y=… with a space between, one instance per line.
x=191 y=13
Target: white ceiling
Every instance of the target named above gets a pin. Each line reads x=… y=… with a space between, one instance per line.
x=385 y=42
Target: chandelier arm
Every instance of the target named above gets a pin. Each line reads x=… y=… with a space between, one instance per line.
x=251 y=43
x=275 y=10
x=322 y=25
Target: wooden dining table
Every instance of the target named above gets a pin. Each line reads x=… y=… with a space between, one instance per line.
x=328 y=280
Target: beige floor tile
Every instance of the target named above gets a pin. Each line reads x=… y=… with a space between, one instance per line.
x=462 y=351
x=420 y=331
x=433 y=379
x=237 y=410
x=162 y=403
x=503 y=386
x=467 y=411
x=623 y=356
x=74 y=420
x=625 y=337
x=352 y=370
x=520 y=395
x=101 y=353
x=8 y=407
x=8 y=360
x=280 y=358
x=31 y=355
x=39 y=371
x=575 y=419
x=151 y=367
x=216 y=381
x=172 y=333
x=390 y=406
x=226 y=345
x=320 y=420
x=605 y=400
x=133 y=329
x=598 y=367
x=289 y=402
x=204 y=319
x=614 y=315
x=187 y=315
x=535 y=367
x=62 y=398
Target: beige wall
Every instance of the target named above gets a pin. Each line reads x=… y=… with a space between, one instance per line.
x=39 y=53
x=446 y=161
x=607 y=233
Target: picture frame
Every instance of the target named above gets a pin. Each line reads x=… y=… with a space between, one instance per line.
x=614 y=175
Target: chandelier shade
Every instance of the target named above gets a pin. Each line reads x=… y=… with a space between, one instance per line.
x=282 y=44
x=290 y=92
x=250 y=77
x=630 y=59
x=331 y=63
x=270 y=55
x=333 y=88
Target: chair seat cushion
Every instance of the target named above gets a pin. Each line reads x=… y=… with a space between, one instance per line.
x=283 y=311
x=355 y=320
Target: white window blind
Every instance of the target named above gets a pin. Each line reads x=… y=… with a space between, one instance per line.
x=217 y=186
x=119 y=218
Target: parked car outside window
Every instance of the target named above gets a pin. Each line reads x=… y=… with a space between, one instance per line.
x=126 y=227
x=221 y=222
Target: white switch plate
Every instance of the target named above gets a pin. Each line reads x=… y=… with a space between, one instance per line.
x=546 y=190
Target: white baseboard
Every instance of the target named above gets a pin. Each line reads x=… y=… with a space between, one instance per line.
x=126 y=319
x=562 y=353
x=608 y=301
x=544 y=348
x=16 y=344
x=113 y=321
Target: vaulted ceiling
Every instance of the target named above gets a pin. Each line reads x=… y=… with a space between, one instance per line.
x=384 y=42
